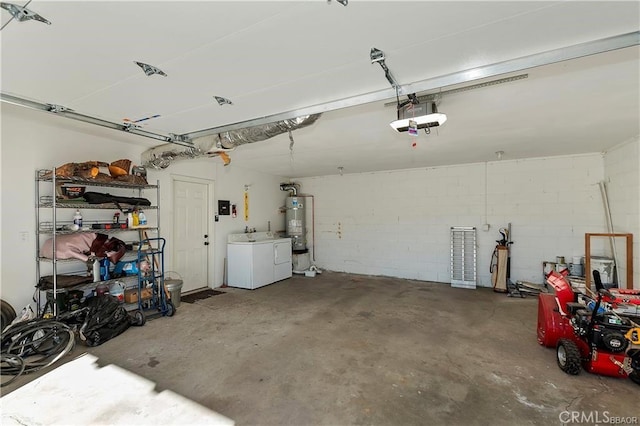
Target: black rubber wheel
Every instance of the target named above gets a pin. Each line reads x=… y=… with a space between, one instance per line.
x=140 y=318
x=8 y=314
x=615 y=342
x=568 y=357
x=6 y=306
x=635 y=377
x=171 y=309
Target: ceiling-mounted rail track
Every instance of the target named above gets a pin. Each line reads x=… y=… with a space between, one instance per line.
x=69 y=113
x=474 y=74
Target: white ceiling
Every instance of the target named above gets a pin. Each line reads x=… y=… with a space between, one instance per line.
x=275 y=57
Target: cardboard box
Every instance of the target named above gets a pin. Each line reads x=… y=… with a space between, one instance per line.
x=131 y=295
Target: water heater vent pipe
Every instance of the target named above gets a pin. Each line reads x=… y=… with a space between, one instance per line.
x=291 y=187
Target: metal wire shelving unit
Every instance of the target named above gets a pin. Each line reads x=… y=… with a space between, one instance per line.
x=50 y=226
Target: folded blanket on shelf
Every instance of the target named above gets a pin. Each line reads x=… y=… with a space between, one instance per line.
x=69 y=246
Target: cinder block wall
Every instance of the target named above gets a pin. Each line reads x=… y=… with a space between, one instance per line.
x=397 y=223
x=622 y=177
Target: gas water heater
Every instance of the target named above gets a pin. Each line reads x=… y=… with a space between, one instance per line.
x=295 y=218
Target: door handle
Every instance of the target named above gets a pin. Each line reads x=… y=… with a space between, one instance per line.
x=206 y=243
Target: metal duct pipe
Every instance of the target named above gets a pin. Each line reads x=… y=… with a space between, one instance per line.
x=160 y=157
x=291 y=187
x=262 y=132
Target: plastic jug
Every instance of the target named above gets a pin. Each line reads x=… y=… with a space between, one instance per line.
x=96 y=270
x=102 y=289
x=104 y=269
x=142 y=219
x=77 y=219
x=117 y=290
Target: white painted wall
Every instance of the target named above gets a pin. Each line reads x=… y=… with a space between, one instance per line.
x=34 y=140
x=622 y=177
x=265 y=201
x=388 y=223
x=265 y=198
x=397 y=223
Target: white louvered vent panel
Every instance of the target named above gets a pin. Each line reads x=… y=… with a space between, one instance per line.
x=463 y=257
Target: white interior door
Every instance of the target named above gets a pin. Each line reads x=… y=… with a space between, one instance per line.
x=191 y=232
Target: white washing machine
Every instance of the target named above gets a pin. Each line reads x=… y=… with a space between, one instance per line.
x=257 y=259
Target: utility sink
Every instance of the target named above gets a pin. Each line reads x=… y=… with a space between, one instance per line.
x=251 y=237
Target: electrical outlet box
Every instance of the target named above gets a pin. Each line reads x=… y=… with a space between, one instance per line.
x=486 y=227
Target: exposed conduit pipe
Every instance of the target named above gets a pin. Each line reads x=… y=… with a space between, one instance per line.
x=313 y=224
x=612 y=243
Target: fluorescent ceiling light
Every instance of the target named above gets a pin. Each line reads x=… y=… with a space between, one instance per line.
x=424 y=115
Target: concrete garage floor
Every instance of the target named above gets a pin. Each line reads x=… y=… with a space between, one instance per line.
x=342 y=349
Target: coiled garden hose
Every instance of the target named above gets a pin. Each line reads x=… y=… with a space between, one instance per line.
x=31 y=345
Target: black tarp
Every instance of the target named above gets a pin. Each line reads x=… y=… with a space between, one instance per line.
x=106 y=318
